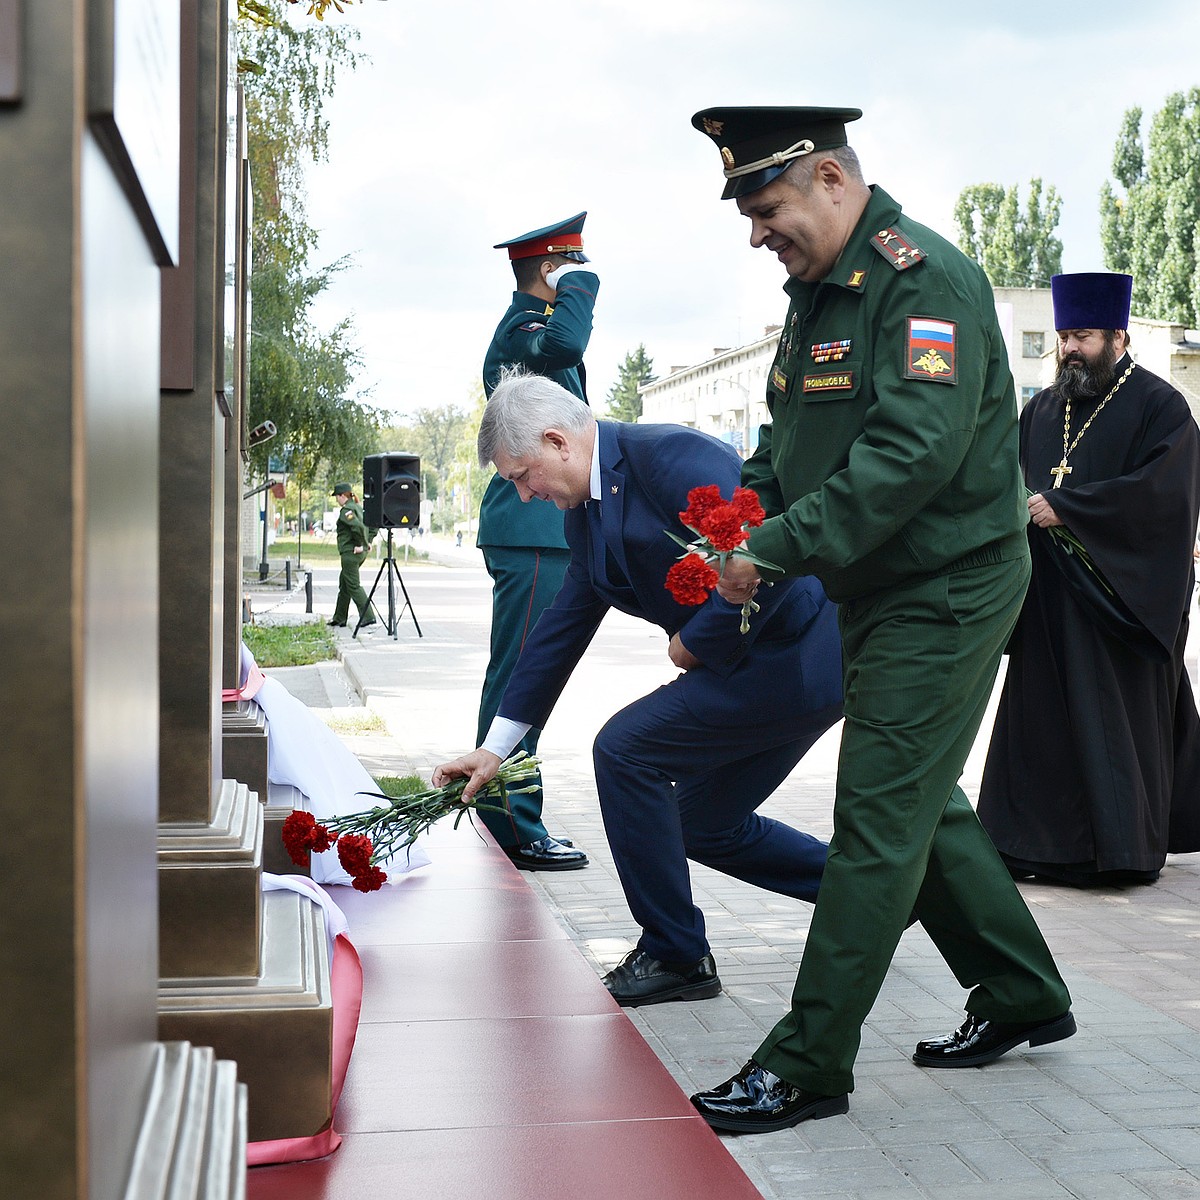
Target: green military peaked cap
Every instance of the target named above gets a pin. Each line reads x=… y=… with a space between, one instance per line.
x=757 y=144
x=340 y=489
x=565 y=238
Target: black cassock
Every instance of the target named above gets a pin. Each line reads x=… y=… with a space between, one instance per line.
x=1094 y=763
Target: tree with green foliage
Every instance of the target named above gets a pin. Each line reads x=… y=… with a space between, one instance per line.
x=437 y=432
x=465 y=476
x=318 y=8
x=1152 y=231
x=1015 y=248
x=301 y=377
x=261 y=12
x=624 y=403
x=436 y=436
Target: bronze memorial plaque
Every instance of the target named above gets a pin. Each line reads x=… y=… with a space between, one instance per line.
x=10 y=51
x=133 y=106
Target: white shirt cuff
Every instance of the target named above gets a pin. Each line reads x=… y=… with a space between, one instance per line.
x=503 y=736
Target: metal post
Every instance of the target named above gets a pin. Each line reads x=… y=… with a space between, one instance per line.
x=287 y=574
x=263 y=567
x=392 y=572
x=308 y=592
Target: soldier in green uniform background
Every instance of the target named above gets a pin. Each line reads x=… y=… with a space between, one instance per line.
x=889 y=471
x=546 y=330
x=353 y=538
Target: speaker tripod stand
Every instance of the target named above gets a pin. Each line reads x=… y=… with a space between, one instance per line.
x=393 y=577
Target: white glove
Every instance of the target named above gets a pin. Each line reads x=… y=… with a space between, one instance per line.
x=553 y=278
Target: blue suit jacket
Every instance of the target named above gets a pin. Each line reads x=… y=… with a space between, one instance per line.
x=782 y=667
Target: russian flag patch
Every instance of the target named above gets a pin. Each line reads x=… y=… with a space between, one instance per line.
x=932 y=350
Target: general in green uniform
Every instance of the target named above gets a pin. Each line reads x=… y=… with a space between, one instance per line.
x=545 y=330
x=353 y=538
x=889 y=471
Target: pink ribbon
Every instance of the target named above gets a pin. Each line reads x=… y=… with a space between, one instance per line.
x=347 y=986
x=249 y=689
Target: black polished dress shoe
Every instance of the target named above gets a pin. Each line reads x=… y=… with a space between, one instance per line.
x=336 y=624
x=757 y=1101
x=978 y=1041
x=640 y=979
x=547 y=854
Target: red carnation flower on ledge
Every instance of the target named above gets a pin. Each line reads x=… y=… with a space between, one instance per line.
x=375 y=835
x=354 y=853
x=302 y=835
x=722 y=528
x=371 y=880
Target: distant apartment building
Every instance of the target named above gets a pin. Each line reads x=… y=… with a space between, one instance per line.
x=725 y=395
x=1172 y=352
x=1026 y=317
x=1169 y=349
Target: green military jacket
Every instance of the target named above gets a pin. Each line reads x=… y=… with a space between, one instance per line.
x=549 y=341
x=351 y=531
x=892 y=449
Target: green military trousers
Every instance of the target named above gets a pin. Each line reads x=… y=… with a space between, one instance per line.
x=350 y=588
x=524 y=583
x=920 y=661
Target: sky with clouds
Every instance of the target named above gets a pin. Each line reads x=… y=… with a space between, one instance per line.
x=476 y=121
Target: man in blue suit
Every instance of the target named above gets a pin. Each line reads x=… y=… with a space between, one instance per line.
x=679 y=773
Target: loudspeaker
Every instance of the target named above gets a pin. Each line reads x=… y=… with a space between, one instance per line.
x=392 y=490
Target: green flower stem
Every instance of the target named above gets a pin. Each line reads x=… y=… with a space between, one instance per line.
x=1070 y=544
x=396 y=825
x=751 y=606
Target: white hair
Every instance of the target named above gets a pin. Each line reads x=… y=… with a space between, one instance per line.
x=521 y=409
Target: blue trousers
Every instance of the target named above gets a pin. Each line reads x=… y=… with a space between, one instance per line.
x=672 y=787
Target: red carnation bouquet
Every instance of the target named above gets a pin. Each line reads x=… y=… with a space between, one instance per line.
x=722 y=528
x=366 y=839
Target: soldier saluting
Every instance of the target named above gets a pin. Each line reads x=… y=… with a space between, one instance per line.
x=546 y=330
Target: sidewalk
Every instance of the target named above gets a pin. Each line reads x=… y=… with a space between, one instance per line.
x=1112 y=1113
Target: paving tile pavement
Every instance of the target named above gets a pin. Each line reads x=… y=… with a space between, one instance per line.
x=1113 y=1112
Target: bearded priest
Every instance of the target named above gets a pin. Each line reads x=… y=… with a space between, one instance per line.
x=1093 y=772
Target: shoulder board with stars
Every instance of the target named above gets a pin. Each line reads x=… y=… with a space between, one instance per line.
x=897 y=249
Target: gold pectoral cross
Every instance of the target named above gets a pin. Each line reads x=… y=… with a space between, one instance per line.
x=1059 y=471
